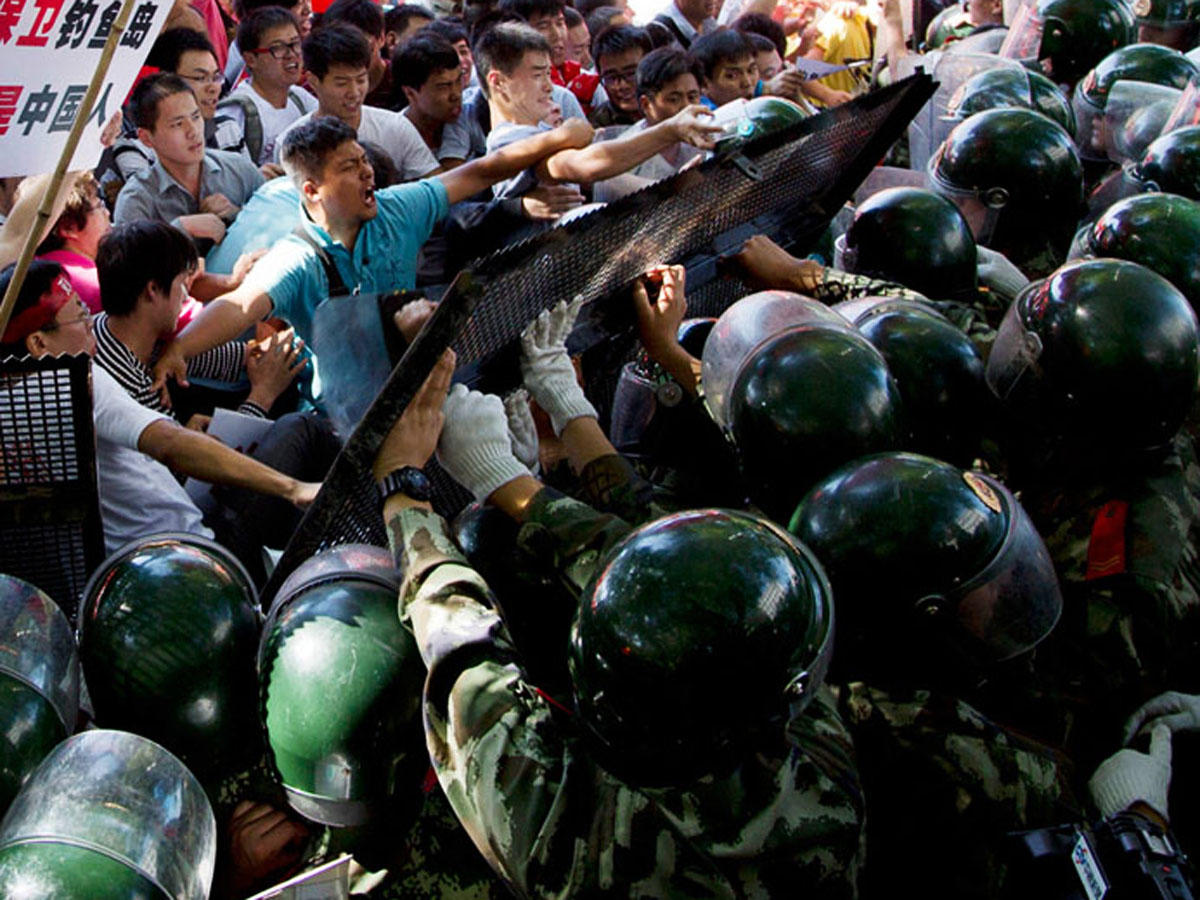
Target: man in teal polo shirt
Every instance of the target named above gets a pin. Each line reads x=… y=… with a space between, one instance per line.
x=373 y=238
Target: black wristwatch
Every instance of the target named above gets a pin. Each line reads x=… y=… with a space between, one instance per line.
x=410 y=481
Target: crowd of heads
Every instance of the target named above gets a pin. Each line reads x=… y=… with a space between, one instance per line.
x=1006 y=313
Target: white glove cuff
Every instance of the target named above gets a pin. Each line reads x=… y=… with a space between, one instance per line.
x=1118 y=787
x=483 y=469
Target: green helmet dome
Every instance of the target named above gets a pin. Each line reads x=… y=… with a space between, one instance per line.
x=806 y=401
x=1077 y=34
x=1018 y=180
x=914 y=237
x=939 y=373
x=167 y=633
x=1159 y=231
x=1101 y=353
x=913 y=545
x=1001 y=87
x=1172 y=163
x=332 y=632
x=698 y=634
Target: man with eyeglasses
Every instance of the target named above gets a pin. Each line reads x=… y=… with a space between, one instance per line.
x=617 y=51
x=269 y=101
x=195 y=189
x=136 y=447
x=190 y=55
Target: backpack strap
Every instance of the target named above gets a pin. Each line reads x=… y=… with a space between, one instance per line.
x=668 y=23
x=337 y=287
x=252 y=131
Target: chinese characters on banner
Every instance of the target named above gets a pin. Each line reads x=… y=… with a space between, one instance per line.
x=48 y=52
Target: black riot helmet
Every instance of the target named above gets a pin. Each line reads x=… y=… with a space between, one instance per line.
x=699 y=635
x=1001 y=86
x=1067 y=37
x=1159 y=231
x=1017 y=178
x=340 y=684
x=1172 y=163
x=804 y=402
x=914 y=237
x=939 y=372
x=1146 y=63
x=915 y=547
x=1103 y=353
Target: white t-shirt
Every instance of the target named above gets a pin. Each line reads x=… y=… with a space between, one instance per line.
x=394 y=134
x=274 y=121
x=138 y=495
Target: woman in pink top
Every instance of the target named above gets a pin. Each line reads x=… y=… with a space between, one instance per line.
x=73 y=239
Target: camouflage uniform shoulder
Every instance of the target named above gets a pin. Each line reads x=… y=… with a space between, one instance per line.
x=944 y=785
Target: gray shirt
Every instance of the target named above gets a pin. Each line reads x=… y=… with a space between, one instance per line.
x=154 y=194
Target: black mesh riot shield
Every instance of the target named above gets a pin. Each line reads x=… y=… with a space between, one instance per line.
x=787 y=184
x=50 y=530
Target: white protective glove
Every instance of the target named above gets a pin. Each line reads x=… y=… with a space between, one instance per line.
x=475 y=447
x=1130 y=775
x=1179 y=712
x=547 y=368
x=522 y=430
x=996 y=272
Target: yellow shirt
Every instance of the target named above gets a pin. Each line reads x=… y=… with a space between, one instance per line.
x=845 y=41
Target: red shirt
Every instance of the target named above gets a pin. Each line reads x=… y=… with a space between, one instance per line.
x=580 y=83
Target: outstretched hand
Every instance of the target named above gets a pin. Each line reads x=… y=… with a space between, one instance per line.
x=414 y=437
x=658 y=321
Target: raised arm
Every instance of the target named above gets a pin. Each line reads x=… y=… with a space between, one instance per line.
x=608 y=158
x=470 y=178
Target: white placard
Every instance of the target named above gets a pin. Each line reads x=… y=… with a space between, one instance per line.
x=328 y=882
x=48 y=52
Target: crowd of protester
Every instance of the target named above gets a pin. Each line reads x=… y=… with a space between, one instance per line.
x=964 y=421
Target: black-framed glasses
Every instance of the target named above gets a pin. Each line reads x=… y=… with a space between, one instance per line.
x=619 y=76
x=280 y=51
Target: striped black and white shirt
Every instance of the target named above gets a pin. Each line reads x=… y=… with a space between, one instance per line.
x=223 y=363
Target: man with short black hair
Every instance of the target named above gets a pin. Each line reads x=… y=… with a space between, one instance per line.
x=457 y=36
x=193 y=188
x=730 y=68
x=337 y=59
x=372 y=239
x=514 y=65
x=428 y=71
x=270 y=99
x=547 y=19
x=136 y=448
x=402 y=22
x=367 y=17
x=617 y=51
x=190 y=55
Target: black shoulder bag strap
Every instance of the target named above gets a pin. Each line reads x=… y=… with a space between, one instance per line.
x=337 y=287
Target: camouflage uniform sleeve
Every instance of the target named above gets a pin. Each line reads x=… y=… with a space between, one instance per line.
x=550 y=821
x=837 y=286
x=570 y=535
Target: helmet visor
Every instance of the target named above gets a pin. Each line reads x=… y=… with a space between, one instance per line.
x=1015 y=601
x=127 y=798
x=1134 y=116
x=1024 y=40
x=1089 y=124
x=38 y=649
x=1015 y=352
x=1187 y=108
